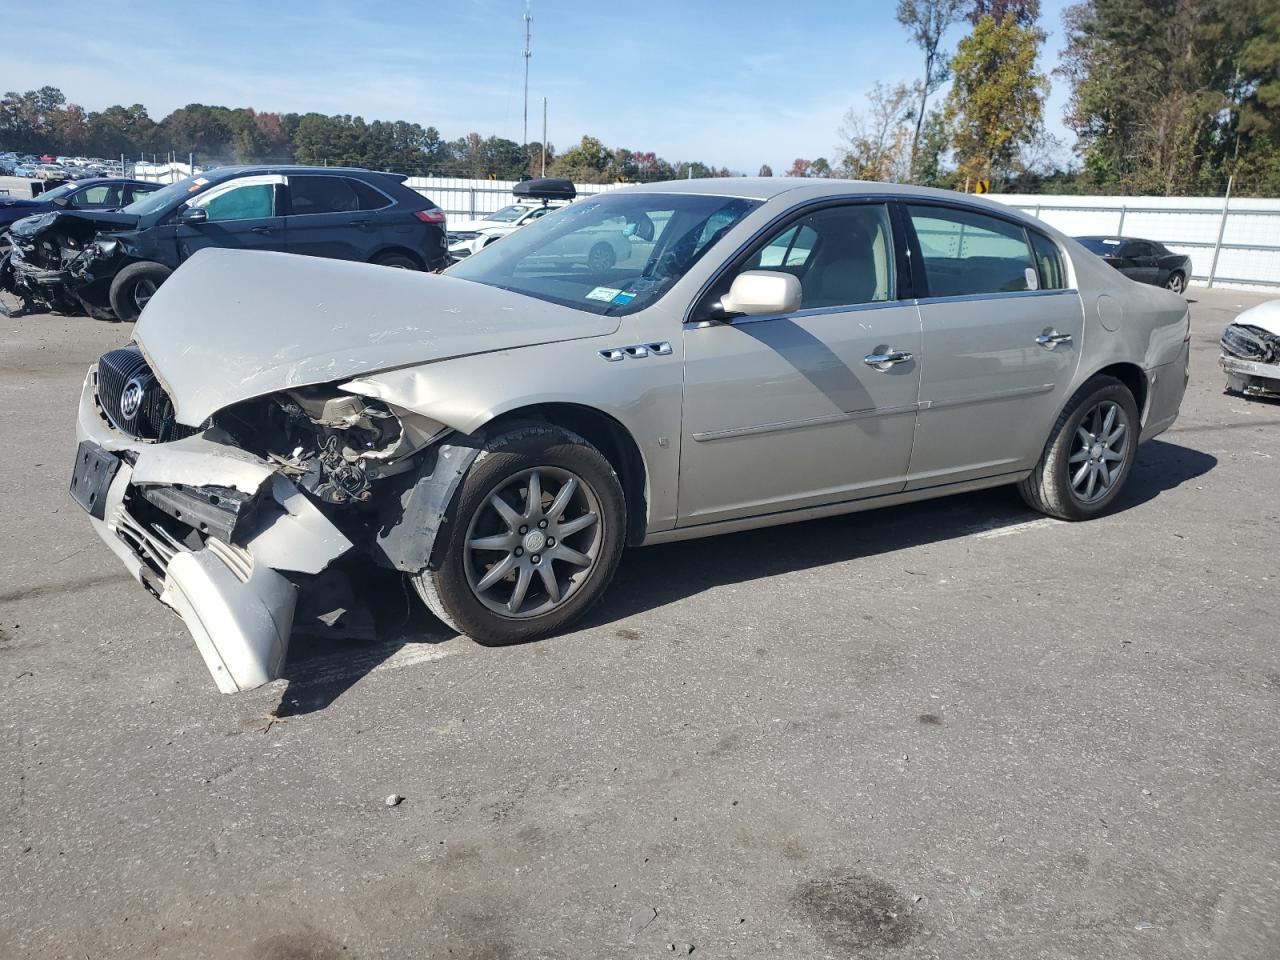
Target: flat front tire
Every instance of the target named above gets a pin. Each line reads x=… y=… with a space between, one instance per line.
x=1089 y=454
x=531 y=540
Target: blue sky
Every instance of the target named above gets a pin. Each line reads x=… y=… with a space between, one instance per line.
x=735 y=84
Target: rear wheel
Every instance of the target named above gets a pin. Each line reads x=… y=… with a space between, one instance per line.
x=134 y=286
x=532 y=539
x=1089 y=454
x=401 y=261
x=1176 y=282
x=601 y=257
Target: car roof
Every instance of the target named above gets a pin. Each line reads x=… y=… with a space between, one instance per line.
x=286 y=168
x=137 y=183
x=812 y=188
x=1113 y=237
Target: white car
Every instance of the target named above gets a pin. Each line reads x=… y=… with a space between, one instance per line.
x=1251 y=351
x=471 y=236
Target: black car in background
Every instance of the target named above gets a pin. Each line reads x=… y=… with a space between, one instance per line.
x=110 y=263
x=102 y=193
x=1143 y=260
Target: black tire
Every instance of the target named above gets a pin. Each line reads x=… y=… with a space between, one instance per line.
x=445 y=586
x=602 y=257
x=1049 y=488
x=133 y=287
x=1177 y=282
x=400 y=261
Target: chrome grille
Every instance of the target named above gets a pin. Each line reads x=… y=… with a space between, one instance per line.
x=152 y=412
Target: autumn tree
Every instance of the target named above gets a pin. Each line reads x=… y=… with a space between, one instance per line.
x=765 y=170
x=877 y=142
x=996 y=104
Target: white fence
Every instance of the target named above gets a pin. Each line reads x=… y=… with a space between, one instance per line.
x=1234 y=244
x=460 y=197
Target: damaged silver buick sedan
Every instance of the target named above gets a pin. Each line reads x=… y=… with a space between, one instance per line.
x=761 y=351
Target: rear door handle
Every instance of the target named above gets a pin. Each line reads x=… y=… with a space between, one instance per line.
x=885 y=361
x=262 y=229
x=1052 y=339
x=357 y=223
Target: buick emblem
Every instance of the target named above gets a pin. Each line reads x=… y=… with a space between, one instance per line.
x=131 y=399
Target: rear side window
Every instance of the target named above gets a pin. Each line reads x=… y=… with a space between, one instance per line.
x=310 y=195
x=969 y=253
x=1048 y=261
x=370 y=199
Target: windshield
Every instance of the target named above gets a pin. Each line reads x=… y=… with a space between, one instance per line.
x=57 y=192
x=1102 y=246
x=507 y=214
x=614 y=254
x=165 y=197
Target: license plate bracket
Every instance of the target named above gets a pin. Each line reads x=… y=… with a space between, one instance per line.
x=91 y=477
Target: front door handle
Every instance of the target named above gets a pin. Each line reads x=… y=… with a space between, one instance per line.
x=885 y=361
x=1052 y=339
x=262 y=229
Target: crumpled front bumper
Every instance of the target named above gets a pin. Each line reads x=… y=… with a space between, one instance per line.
x=1251 y=377
x=235 y=598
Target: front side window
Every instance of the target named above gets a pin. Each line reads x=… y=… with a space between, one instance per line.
x=244 y=201
x=968 y=253
x=842 y=256
x=616 y=253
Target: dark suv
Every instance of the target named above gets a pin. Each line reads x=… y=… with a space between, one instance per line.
x=110 y=263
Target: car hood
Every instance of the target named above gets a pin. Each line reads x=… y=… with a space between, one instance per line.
x=102 y=221
x=1265 y=316
x=231 y=325
x=9 y=203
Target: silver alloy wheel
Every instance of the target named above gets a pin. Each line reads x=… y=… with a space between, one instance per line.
x=1176 y=283
x=601 y=257
x=534 y=542
x=1098 y=455
x=143 y=291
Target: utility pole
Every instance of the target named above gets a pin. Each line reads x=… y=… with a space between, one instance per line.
x=544 y=136
x=528 y=30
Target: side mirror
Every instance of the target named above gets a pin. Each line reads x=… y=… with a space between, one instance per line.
x=193 y=215
x=60 y=201
x=761 y=292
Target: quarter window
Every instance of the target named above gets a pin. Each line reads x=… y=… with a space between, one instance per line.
x=1048 y=261
x=969 y=253
x=842 y=256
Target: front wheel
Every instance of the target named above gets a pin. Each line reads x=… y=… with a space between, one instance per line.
x=532 y=539
x=1089 y=454
x=134 y=286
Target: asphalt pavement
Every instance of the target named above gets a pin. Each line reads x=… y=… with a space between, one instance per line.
x=948 y=730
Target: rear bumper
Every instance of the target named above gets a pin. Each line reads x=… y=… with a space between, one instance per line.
x=236 y=599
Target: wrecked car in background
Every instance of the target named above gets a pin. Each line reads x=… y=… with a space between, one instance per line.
x=111 y=264
x=773 y=350
x=1251 y=351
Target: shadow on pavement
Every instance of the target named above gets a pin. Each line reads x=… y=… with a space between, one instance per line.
x=320 y=670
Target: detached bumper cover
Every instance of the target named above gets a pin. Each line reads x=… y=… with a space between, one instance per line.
x=1251 y=377
x=235 y=599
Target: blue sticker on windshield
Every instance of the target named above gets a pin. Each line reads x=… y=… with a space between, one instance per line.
x=623 y=299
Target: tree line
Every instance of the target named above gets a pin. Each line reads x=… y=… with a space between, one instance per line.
x=1165 y=96
x=1171 y=97
x=42 y=121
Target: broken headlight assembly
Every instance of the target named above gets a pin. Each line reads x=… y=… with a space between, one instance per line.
x=332 y=444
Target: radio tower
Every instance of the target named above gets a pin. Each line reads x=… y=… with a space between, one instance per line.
x=528 y=30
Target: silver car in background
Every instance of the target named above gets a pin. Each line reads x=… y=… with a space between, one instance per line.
x=771 y=350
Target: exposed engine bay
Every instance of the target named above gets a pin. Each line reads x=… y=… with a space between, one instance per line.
x=1251 y=352
x=62 y=262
